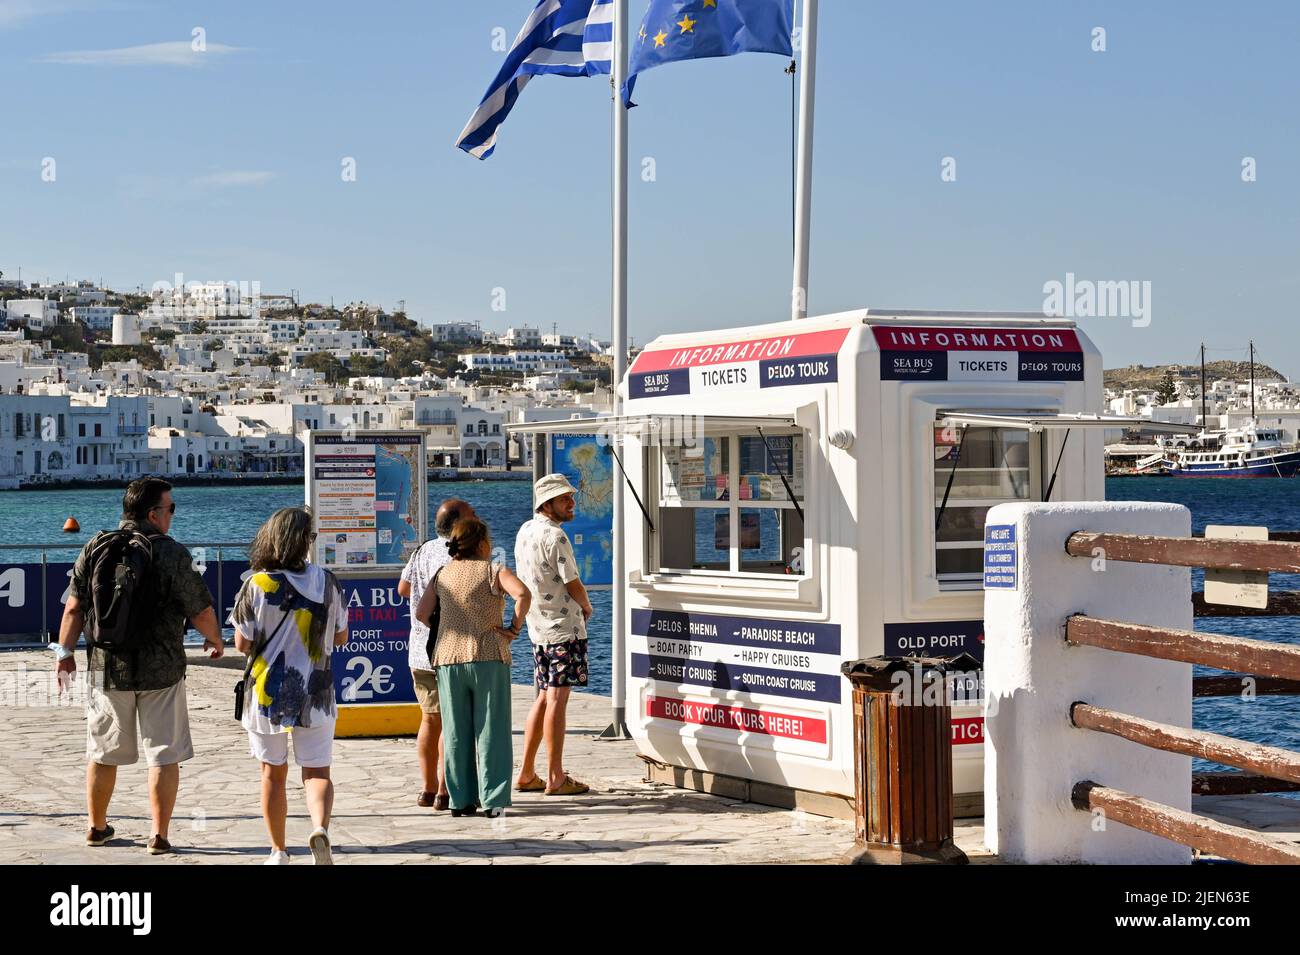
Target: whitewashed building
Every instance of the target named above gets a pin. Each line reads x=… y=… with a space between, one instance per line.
x=38 y=314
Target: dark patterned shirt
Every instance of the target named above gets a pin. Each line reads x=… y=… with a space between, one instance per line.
x=175 y=592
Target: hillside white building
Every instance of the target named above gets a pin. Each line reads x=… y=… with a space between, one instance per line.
x=98 y=317
x=38 y=314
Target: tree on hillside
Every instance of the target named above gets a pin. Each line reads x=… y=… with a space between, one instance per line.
x=1167 y=389
x=361 y=366
x=326 y=364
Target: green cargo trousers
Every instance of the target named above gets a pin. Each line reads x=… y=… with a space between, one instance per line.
x=475 y=703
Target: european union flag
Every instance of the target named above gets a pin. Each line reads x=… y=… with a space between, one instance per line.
x=695 y=29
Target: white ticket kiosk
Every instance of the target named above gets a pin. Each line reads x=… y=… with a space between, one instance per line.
x=805 y=493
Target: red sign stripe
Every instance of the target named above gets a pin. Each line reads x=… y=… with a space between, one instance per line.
x=738 y=718
x=967 y=730
x=825 y=342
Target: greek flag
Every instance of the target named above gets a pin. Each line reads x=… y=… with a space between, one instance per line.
x=561 y=37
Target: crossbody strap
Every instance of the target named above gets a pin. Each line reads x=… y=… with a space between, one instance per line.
x=257 y=650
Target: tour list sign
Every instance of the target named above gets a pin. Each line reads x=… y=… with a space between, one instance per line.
x=791 y=659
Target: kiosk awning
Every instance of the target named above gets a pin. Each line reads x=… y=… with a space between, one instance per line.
x=643 y=424
x=1036 y=422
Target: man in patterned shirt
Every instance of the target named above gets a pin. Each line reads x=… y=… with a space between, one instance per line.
x=557 y=627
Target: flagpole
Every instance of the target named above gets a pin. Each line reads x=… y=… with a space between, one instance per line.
x=617 y=728
x=803 y=191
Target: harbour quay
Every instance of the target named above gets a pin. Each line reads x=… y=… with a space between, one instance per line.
x=624 y=820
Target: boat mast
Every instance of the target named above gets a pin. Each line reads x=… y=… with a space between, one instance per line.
x=1205 y=421
x=1252 y=380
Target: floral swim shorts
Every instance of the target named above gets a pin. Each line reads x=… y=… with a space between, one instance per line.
x=560 y=664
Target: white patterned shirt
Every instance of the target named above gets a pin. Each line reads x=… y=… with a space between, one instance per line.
x=428 y=558
x=545 y=562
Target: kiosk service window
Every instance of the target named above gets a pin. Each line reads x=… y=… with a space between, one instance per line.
x=724 y=508
x=975 y=468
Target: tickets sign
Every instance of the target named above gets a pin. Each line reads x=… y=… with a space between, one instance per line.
x=924 y=353
x=738 y=365
x=968 y=731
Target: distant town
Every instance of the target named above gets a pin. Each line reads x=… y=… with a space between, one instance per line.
x=219 y=380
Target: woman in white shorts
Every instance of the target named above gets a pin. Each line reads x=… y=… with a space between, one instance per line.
x=289 y=616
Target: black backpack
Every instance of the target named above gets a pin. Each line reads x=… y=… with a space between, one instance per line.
x=119 y=564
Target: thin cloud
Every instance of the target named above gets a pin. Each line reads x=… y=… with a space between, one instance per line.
x=234 y=178
x=14 y=13
x=171 y=53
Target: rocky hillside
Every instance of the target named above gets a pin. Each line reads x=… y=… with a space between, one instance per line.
x=1148 y=377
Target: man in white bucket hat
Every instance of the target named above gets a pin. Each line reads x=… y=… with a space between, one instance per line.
x=557 y=627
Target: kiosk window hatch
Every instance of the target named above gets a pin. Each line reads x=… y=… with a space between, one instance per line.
x=986 y=458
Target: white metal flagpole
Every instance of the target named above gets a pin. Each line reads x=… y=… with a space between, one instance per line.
x=618 y=625
x=803 y=190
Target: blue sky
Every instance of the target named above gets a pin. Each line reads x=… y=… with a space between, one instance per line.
x=1122 y=165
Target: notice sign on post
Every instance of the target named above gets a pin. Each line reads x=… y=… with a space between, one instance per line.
x=1000 y=556
x=1236 y=588
x=367 y=490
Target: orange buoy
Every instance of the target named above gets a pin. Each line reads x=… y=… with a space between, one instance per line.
x=70 y=526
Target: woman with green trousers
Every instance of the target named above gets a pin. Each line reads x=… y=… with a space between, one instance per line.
x=471 y=653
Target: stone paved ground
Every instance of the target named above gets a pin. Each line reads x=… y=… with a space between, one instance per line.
x=42 y=810
x=625 y=820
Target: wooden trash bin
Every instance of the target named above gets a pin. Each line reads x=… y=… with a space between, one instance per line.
x=902 y=754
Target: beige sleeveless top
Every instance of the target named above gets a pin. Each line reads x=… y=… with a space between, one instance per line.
x=472 y=604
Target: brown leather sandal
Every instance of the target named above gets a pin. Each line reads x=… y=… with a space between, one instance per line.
x=570 y=787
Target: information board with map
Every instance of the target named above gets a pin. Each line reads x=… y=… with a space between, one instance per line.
x=367 y=491
x=588 y=464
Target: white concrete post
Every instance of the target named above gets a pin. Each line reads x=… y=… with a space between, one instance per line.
x=1033 y=755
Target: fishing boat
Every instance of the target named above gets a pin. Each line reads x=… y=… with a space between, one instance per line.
x=1249 y=451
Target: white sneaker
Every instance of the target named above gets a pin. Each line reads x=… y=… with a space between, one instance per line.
x=277 y=857
x=319 y=842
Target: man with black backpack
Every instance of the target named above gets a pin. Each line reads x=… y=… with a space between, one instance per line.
x=132 y=592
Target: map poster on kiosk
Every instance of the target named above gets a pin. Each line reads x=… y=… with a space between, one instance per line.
x=588 y=464
x=367 y=490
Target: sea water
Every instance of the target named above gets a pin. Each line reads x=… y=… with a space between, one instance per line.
x=230 y=514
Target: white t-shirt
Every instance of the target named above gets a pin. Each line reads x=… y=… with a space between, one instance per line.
x=289 y=686
x=427 y=560
x=545 y=562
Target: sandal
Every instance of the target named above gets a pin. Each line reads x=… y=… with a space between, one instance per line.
x=570 y=787
x=425 y=799
x=442 y=802
x=535 y=785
